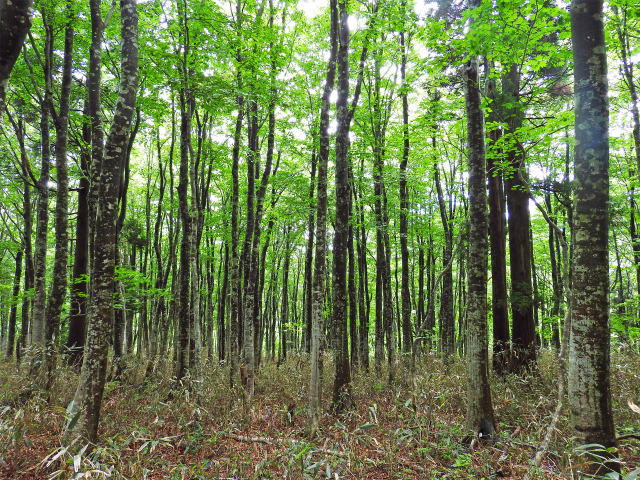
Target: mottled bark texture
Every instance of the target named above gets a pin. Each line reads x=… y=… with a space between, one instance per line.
x=88 y=396
x=14 y=25
x=589 y=382
x=480 y=419
x=38 y=320
x=341 y=387
x=59 y=279
x=315 y=384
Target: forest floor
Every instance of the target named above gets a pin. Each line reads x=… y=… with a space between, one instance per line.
x=412 y=429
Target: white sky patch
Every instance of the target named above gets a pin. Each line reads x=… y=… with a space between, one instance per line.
x=312 y=8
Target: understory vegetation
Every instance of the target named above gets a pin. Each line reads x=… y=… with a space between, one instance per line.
x=153 y=429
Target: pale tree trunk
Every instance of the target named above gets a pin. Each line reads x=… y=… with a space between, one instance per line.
x=589 y=383
x=59 y=279
x=480 y=420
x=315 y=384
x=88 y=396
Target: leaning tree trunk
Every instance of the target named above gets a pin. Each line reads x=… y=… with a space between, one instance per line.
x=479 y=407
x=589 y=383
x=88 y=396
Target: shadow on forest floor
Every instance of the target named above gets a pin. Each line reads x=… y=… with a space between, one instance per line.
x=396 y=432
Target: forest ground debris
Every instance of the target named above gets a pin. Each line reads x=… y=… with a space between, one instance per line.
x=411 y=432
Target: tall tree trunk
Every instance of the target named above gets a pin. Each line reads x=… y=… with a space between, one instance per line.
x=480 y=418
x=308 y=263
x=363 y=284
x=88 y=396
x=234 y=344
x=447 y=326
x=523 y=329
x=629 y=77
x=59 y=279
x=498 y=251
x=589 y=382
x=341 y=387
x=79 y=284
x=94 y=104
x=407 y=333
x=38 y=322
x=317 y=307
x=555 y=277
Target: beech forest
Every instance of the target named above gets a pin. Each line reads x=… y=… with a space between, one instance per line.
x=319 y=239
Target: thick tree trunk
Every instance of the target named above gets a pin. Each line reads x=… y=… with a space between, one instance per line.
x=523 y=329
x=480 y=419
x=589 y=382
x=88 y=396
x=341 y=387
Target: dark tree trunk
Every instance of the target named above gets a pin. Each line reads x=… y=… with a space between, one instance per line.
x=234 y=344
x=523 y=329
x=498 y=253
x=341 y=387
x=407 y=332
x=447 y=326
x=79 y=284
x=14 y=25
x=59 y=279
x=589 y=381
x=308 y=263
x=363 y=285
x=38 y=321
x=11 y=328
x=555 y=277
